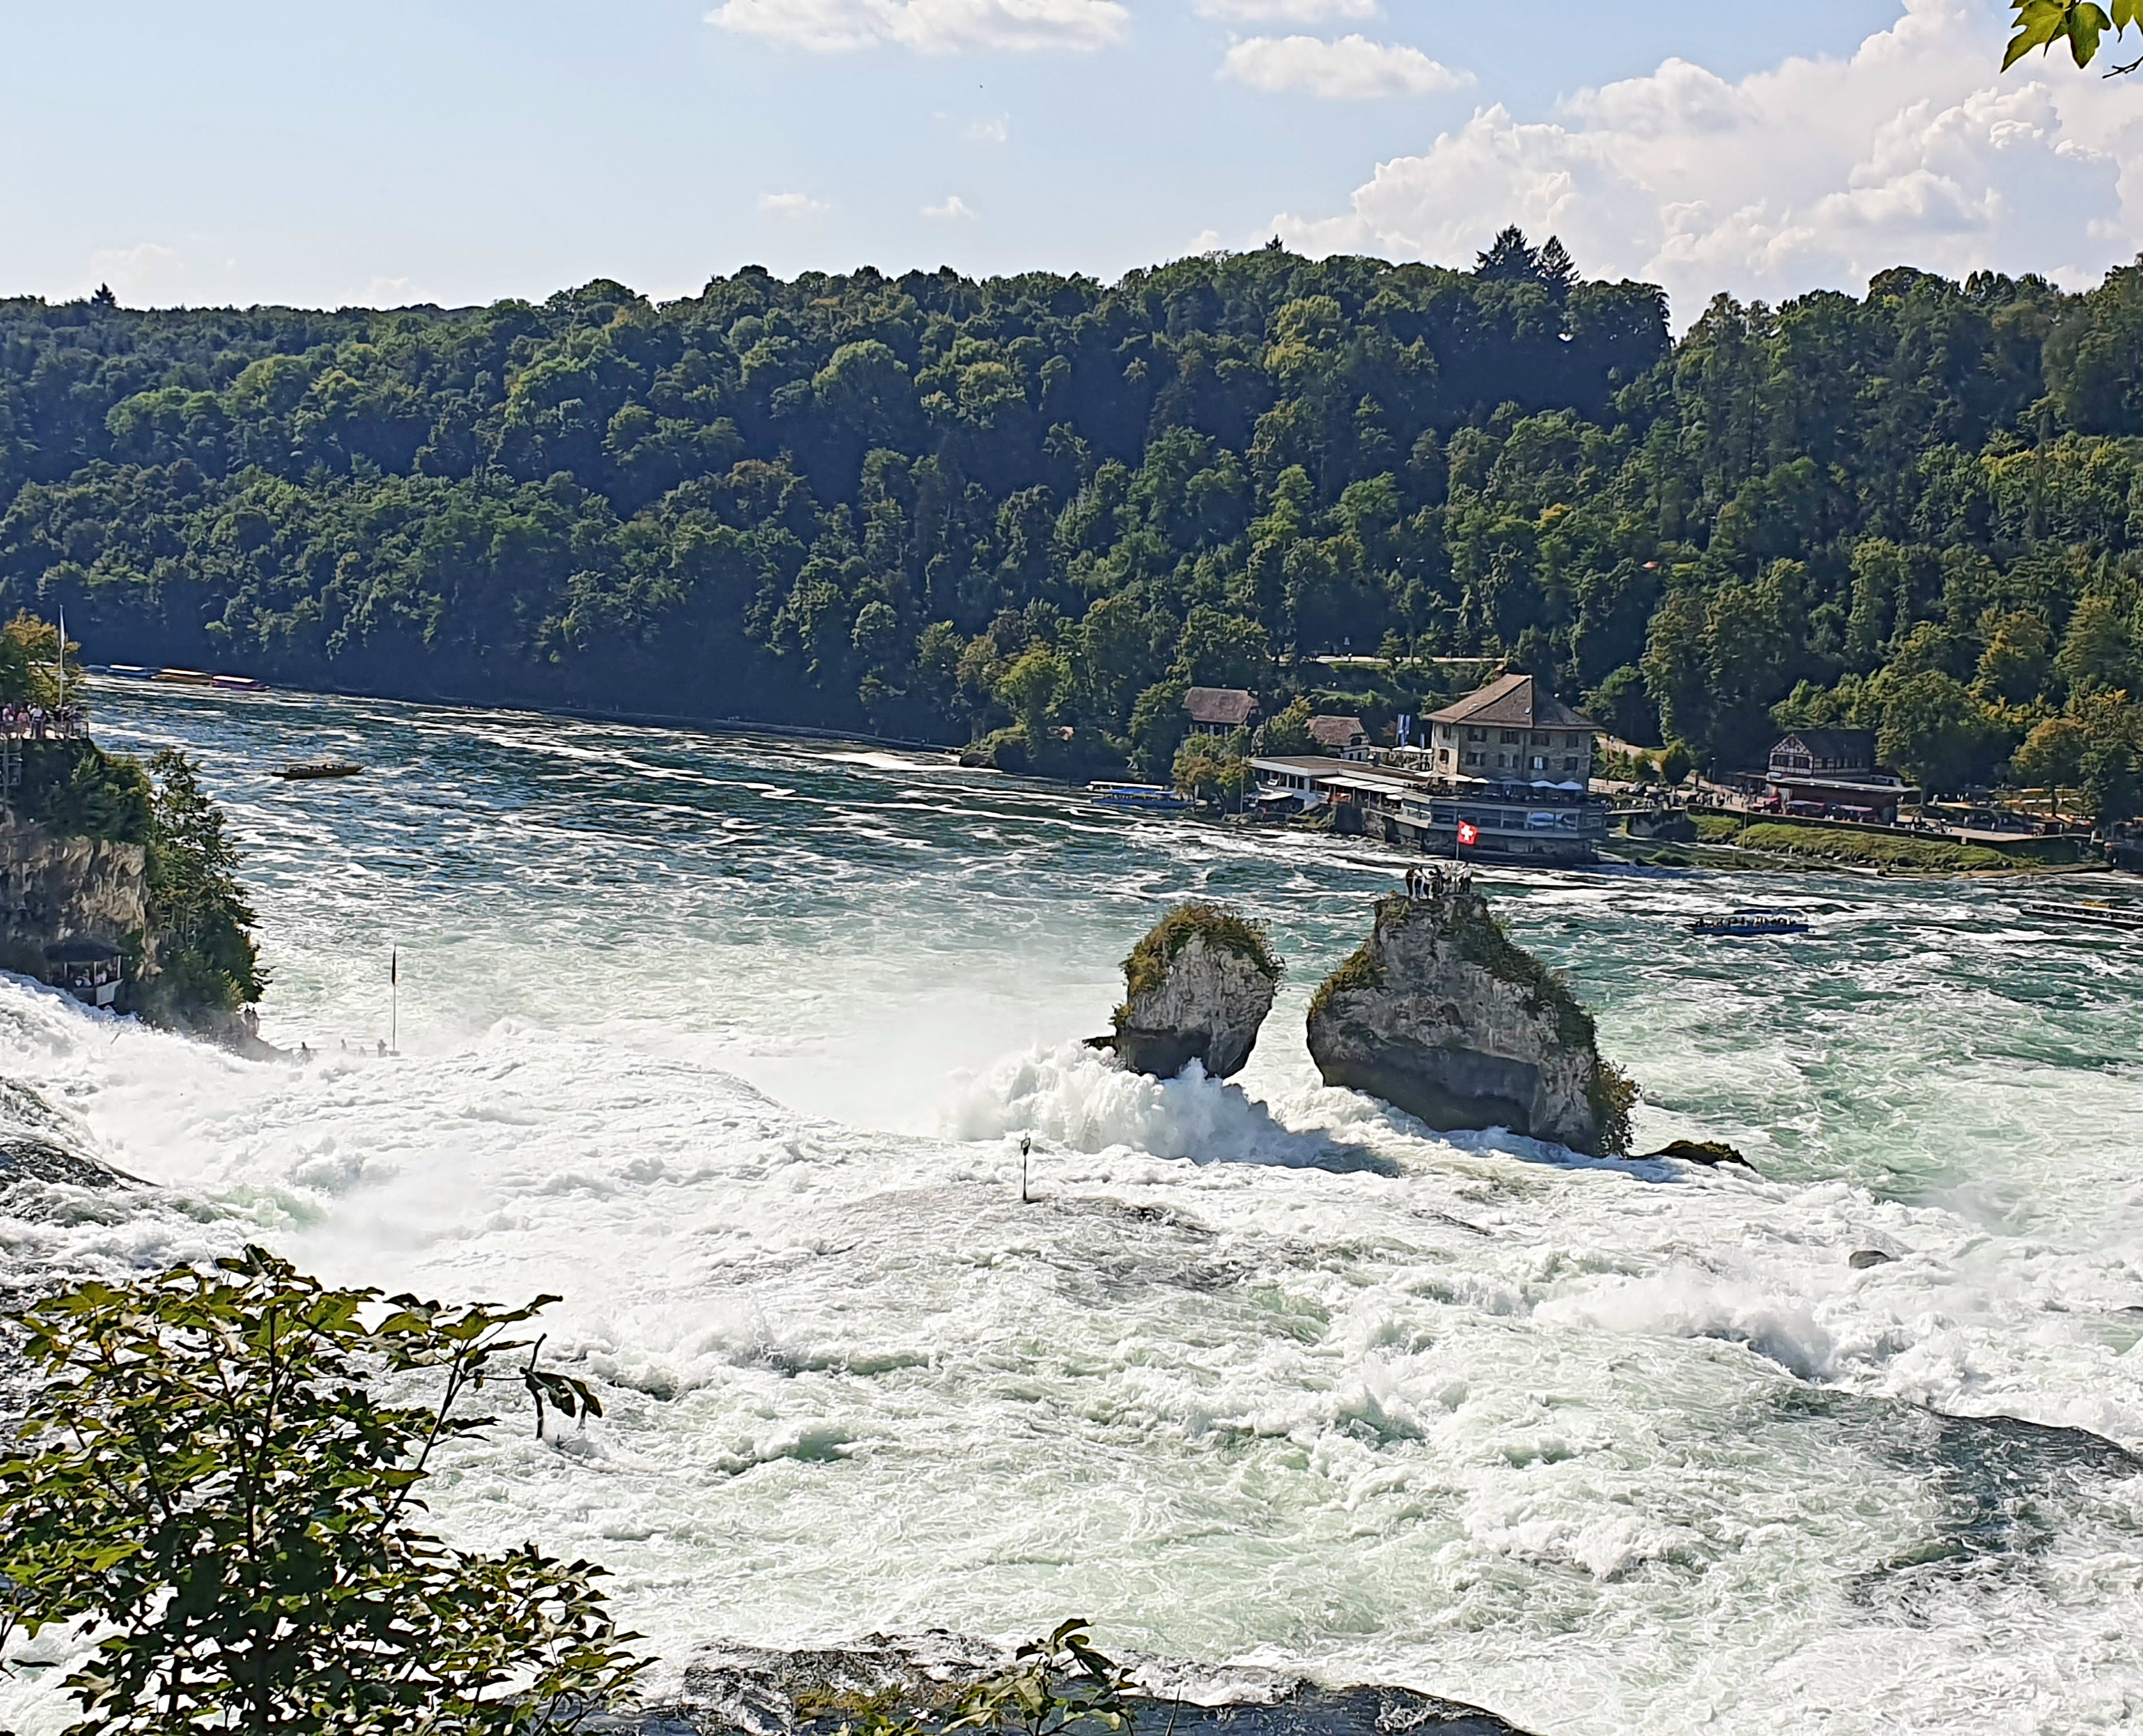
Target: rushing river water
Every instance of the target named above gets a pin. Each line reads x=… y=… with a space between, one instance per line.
x=732 y=1042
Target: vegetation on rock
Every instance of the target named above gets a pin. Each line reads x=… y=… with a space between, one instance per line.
x=205 y=965
x=1483 y=941
x=75 y=789
x=1146 y=970
x=198 y=912
x=1054 y=1686
x=1613 y=1094
x=210 y=1487
x=1359 y=969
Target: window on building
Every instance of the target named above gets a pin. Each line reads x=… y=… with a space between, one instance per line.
x=1512 y=737
x=1542 y=738
x=1570 y=762
x=1539 y=762
x=1474 y=734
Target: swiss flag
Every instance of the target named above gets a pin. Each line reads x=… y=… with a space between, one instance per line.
x=1469 y=834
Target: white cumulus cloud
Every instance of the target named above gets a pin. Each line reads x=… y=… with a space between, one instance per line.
x=1284 y=12
x=954 y=208
x=791 y=205
x=929 y=27
x=1353 y=69
x=1814 y=173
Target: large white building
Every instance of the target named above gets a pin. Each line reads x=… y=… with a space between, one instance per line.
x=1511 y=731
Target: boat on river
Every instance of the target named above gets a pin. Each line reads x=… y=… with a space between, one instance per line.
x=2099 y=912
x=1148 y=798
x=321 y=769
x=181 y=677
x=1743 y=923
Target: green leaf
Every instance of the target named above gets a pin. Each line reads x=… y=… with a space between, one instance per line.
x=2085 y=24
x=2039 y=21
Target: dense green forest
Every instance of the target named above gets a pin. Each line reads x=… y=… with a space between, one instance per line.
x=1039 y=506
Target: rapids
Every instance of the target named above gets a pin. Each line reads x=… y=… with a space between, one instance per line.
x=731 y=1041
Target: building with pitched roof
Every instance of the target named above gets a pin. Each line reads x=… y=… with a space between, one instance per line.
x=1512 y=730
x=1834 y=772
x=1344 y=738
x=1219 y=710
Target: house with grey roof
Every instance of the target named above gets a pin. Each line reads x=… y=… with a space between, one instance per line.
x=1220 y=710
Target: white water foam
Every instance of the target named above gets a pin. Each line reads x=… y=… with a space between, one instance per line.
x=1265 y=1369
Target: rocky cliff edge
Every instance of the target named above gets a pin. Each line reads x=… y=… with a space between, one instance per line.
x=54 y=887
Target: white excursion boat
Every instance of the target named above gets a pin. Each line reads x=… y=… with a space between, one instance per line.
x=2099 y=913
x=1152 y=798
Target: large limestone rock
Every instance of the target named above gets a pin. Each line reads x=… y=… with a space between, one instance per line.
x=1197 y=987
x=54 y=888
x=1439 y=1015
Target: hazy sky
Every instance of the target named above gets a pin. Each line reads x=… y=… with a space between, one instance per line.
x=464 y=149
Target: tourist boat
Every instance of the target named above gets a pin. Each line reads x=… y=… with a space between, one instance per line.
x=1752 y=921
x=1152 y=798
x=2098 y=912
x=321 y=769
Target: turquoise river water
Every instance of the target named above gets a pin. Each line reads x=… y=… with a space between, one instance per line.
x=731 y=1041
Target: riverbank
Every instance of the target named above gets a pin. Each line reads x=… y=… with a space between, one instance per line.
x=1797 y=844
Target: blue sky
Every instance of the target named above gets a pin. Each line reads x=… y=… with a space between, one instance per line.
x=466 y=149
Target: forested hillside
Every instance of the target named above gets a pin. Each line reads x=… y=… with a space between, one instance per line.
x=928 y=505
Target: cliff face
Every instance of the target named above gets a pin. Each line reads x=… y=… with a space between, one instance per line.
x=54 y=888
x=1439 y=1015
x=1198 y=987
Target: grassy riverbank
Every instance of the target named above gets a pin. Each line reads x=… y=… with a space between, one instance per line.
x=1891 y=852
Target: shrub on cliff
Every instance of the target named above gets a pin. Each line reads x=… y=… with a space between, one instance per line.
x=206 y=959
x=208 y=1486
x=1226 y=930
x=75 y=789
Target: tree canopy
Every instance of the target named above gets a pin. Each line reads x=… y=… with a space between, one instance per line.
x=1030 y=511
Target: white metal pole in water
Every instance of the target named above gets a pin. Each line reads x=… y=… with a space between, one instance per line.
x=1026 y=1145
x=394 y=1001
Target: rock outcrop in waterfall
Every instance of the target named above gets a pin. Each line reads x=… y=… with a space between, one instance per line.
x=1196 y=988
x=1440 y=1015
